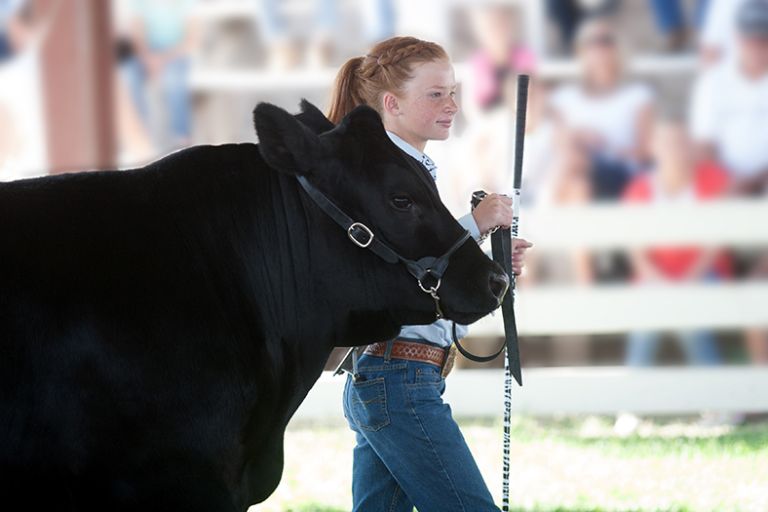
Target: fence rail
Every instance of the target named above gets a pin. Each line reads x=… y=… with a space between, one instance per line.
x=738 y=222
x=663 y=391
x=550 y=310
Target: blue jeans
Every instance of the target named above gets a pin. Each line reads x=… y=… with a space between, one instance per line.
x=174 y=89
x=409 y=450
x=568 y=15
x=274 y=24
x=380 y=24
x=6 y=52
x=669 y=14
x=609 y=177
x=699 y=347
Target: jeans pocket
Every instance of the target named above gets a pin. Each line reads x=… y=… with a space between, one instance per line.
x=368 y=404
x=428 y=374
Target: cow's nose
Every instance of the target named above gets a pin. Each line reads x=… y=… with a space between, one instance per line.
x=499 y=284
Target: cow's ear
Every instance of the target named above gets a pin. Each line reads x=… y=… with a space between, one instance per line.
x=315 y=120
x=365 y=121
x=285 y=144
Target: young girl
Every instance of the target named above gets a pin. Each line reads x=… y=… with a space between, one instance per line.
x=409 y=450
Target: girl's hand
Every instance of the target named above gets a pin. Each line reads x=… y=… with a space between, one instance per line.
x=519 y=246
x=494 y=210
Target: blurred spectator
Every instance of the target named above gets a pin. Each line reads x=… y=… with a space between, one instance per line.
x=607 y=118
x=133 y=141
x=13 y=29
x=718 y=38
x=568 y=15
x=676 y=180
x=670 y=19
x=22 y=134
x=163 y=37
x=281 y=34
x=730 y=106
x=498 y=56
x=282 y=29
x=487 y=148
x=378 y=19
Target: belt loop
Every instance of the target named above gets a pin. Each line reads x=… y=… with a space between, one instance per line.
x=354 y=365
x=388 y=350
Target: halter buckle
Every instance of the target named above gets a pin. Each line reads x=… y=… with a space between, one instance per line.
x=355 y=230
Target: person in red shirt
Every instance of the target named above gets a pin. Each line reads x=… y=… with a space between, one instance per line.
x=675 y=179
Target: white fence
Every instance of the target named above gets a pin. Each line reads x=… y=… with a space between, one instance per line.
x=625 y=307
x=621 y=308
x=546 y=391
x=548 y=310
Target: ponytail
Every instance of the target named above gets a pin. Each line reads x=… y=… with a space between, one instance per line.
x=387 y=67
x=346 y=94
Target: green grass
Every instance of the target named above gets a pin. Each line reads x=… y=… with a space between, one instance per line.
x=564 y=465
x=662 y=437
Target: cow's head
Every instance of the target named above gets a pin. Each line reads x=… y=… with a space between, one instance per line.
x=368 y=177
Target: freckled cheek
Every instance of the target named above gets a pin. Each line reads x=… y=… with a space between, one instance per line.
x=428 y=115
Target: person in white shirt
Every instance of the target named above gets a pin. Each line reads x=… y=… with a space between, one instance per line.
x=718 y=38
x=728 y=122
x=729 y=106
x=605 y=116
x=14 y=28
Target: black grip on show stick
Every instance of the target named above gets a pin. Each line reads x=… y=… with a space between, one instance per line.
x=522 y=107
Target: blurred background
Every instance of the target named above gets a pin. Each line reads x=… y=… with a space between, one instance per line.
x=643 y=310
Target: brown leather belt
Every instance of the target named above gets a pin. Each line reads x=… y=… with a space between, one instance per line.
x=415 y=351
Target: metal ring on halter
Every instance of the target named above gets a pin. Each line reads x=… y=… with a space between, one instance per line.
x=432 y=290
x=358 y=226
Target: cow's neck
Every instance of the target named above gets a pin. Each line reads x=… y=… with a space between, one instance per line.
x=307 y=305
x=310 y=301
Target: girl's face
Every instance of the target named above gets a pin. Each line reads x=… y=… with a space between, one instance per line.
x=424 y=109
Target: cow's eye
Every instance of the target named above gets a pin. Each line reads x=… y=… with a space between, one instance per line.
x=402 y=202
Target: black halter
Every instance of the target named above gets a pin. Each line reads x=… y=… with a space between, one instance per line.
x=424 y=269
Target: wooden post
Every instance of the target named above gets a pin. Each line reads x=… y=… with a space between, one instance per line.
x=77 y=74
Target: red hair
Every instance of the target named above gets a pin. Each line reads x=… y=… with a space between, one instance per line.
x=387 y=67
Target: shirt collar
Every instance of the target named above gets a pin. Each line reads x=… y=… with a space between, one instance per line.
x=420 y=157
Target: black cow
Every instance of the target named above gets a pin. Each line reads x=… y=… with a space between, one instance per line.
x=159 y=326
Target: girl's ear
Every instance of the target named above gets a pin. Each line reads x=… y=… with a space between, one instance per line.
x=390 y=104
